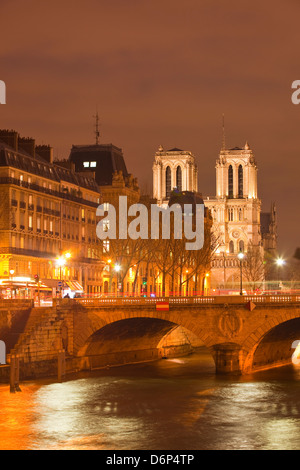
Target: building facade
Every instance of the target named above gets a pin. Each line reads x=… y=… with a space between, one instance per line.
x=173 y=169
x=46 y=211
x=105 y=163
x=236 y=212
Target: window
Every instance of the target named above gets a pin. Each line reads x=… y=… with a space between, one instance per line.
x=30 y=221
x=106 y=206
x=231 y=247
x=106 y=225
x=105 y=246
x=93 y=164
x=86 y=164
x=230 y=181
x=241 y=246
x=168 y=182
x=241 y=182
x=179 y=178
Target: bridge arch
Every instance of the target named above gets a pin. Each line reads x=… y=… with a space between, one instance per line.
x=271 y=344
x=136 y=339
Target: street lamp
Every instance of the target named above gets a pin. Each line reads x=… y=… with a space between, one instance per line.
x=279 y=262
x=61 y=261
x=11 y=272
x=117 y=268
x=241 y=257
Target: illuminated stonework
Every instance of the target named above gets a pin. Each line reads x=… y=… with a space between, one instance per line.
x=236 y=213
x=172 y=169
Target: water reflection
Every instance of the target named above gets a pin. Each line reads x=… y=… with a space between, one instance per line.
x=168 y=405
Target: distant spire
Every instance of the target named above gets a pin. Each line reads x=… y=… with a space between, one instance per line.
x=97 y=133
x=223 y=132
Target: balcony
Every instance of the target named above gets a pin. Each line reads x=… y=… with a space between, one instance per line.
x=22 y=205
x=52 y=192
x=23 y=251
x=14 y=203
x=31 y=207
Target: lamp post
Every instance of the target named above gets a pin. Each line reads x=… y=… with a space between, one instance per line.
x=61 y=261
x=241 y=257
x=117 y=268
x=279 y=262
x=11 y=272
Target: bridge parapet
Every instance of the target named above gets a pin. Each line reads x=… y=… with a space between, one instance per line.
x=182 y=301
x=16 y=303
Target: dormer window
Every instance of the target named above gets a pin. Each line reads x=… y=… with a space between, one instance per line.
x=86 y=164
x=93 y=164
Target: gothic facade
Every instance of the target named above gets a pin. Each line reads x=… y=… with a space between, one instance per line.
x=172 y=169
x=236 y=211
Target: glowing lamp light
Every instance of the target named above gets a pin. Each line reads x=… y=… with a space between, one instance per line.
x=68 y=255
x=280 y=262
x=117 y=268
x=241 y=256
x=61 y=261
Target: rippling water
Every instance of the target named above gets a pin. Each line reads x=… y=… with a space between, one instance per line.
x=175 y=404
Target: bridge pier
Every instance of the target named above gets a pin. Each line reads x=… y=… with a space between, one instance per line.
x=228 y=358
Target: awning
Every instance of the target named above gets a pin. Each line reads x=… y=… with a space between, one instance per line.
x=74 y=285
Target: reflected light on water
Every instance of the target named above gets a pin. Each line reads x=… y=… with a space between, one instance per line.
x=281 y=434
x=16 y=414
x=166 y=405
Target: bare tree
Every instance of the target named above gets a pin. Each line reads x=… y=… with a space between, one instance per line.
x=253 y=266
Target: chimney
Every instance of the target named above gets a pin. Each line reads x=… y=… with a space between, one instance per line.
x=10 y=138
x=27 y=144
x=45 y=152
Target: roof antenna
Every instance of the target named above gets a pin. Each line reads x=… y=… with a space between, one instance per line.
x=97 y=133
x=223 y=132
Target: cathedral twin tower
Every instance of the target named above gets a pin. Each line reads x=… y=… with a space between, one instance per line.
x=235 y=209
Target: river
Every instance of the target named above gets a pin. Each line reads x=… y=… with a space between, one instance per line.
x=171 y=404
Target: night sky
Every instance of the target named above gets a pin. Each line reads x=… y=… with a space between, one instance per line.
x=161 y=73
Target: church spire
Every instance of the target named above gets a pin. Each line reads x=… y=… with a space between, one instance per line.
x=97 y=133
x=223 y=132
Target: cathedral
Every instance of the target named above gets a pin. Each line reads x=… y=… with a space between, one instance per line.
x=235 y=209
x=172 y=169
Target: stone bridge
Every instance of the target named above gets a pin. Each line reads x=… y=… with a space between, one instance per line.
x=243 y=334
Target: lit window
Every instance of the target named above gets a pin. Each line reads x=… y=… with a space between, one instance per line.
x=106 y=225
x=105 y=246
x=93 y=164
x=106 y=206
x=86 y=164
